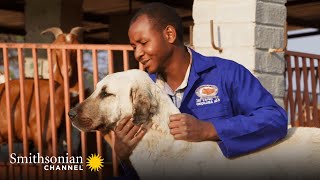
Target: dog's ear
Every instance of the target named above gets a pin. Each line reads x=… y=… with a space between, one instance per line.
x=144 y=103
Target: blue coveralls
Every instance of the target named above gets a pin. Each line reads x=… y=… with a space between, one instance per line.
x=243 y=112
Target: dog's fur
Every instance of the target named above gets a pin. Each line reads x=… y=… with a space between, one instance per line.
x=159 y=156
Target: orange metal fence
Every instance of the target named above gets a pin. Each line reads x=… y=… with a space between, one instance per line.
x=301 y=103
x=119 y=57
x=301 y=100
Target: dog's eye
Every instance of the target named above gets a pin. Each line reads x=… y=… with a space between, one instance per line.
x=104 y=94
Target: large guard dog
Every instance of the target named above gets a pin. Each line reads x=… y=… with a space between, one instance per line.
x=160 y=156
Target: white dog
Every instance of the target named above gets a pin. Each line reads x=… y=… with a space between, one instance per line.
x=159 y=156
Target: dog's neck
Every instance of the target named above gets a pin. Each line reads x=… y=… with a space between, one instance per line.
x=158 y=127
x=158 y=142
x=160 y=120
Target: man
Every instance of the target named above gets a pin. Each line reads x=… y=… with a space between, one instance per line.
x=219 y=99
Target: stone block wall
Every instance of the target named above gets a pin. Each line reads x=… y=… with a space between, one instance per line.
x=245 y=30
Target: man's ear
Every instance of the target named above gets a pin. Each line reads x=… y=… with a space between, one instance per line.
x=170 y=33
x=144 y=103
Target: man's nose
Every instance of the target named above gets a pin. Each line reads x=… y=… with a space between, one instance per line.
x=138 y=53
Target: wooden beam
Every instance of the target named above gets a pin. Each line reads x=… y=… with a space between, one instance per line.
x=304 y=34
x=12 y=6
x=300 y=2
x=97 y=30
x=304 y=23
x=11 y=30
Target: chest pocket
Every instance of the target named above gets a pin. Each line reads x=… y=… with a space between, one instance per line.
x=212 y=111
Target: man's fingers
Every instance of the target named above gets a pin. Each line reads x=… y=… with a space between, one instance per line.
x=138 y=136
x=174 y=124
x=182 y=124
x=125 y=130
x=182 y=136
x=175 y=131
x=175 y=117
x=132 y=132
x=123 y=123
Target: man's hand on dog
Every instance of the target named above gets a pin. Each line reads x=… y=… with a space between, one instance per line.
x=186 y=127
x=127 y=136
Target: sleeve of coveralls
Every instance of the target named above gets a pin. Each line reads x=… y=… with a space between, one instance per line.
x=261 y=121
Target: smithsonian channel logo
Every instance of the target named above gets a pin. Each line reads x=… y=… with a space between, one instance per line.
x=52 y=163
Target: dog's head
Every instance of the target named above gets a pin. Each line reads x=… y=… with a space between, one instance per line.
x=116 y=96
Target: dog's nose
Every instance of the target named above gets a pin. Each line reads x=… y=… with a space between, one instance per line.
x=72 y=114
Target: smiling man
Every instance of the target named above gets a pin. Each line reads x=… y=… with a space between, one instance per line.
x=219 y=99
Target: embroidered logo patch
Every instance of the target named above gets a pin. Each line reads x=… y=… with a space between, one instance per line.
x=207 y=95
x=206 y=91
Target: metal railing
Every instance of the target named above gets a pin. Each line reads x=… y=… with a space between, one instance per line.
x=301 y=99
x=116 y=54
x=302 y=75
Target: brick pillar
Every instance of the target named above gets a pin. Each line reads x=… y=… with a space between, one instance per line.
x=246 y=30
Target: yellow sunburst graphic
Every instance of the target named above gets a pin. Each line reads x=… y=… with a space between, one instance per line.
x=95 y=162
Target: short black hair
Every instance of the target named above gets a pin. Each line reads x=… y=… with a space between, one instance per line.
x=161 y=15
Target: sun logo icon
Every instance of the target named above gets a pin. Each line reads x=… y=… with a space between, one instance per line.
x=95 y=162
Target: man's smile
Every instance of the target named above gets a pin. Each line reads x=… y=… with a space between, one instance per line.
x=144 y=62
